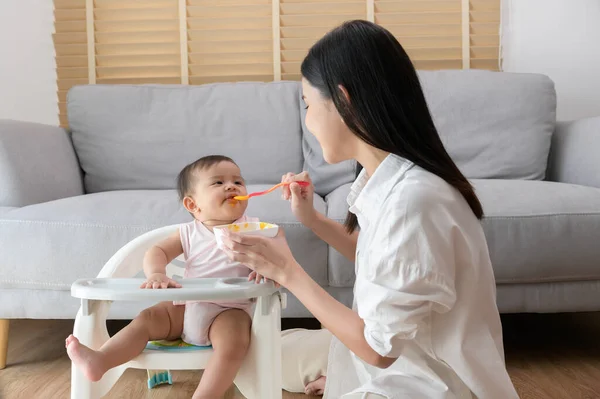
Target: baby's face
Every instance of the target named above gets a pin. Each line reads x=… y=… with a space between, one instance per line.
x=214 y=189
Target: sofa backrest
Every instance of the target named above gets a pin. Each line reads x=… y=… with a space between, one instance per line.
x=494 y=125
x=140 y=137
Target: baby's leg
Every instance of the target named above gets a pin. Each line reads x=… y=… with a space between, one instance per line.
x=230 y=337
x=162 y=321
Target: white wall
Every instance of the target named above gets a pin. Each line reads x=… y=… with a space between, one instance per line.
x=27 y=65
x=561 y=39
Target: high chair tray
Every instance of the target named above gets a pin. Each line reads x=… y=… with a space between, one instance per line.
x=200 y=289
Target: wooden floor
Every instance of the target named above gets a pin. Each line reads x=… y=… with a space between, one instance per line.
x=548 y=356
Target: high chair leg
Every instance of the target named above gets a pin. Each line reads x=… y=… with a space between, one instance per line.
x=90 y=329
x=260 y=374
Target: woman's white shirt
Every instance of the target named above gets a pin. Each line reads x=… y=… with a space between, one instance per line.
x=425 y=290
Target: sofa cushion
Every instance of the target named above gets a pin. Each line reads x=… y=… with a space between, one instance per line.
x=50 y=245
x=341 y=270
x=324 y=176
x=140 y=137
x=5 y=209
x=536 y=231
x=494 y=125
x=541 y=231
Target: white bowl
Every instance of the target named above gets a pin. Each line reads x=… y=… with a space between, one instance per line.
x=246 y=228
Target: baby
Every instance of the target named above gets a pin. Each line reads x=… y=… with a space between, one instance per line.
x=206 y=188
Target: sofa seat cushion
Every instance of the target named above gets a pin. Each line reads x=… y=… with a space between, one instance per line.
x=50 y=245
x=4 y=210
x=536 y=231
x=541 y=231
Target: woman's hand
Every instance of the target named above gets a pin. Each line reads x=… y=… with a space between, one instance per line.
x=269 y=257
x=301 y=198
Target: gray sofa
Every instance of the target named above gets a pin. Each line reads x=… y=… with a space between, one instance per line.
x=68 y=201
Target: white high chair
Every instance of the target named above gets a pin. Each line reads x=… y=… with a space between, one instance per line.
x=260 y=374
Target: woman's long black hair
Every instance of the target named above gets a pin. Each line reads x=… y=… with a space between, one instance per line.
x=386 y=106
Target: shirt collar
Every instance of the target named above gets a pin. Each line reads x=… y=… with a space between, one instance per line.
x=368 y=194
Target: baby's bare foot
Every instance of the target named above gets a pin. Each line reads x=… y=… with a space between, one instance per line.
x=87 y=360
x=317 y=387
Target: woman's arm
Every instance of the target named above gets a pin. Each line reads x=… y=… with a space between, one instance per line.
x=336 y=235
x=273 y=258
x=341 y=321
x=328 y=230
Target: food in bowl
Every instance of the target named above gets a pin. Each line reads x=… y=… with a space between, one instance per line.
x=246 y=228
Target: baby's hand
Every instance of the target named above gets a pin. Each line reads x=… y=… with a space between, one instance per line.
x=158 y=281
x=259 y=278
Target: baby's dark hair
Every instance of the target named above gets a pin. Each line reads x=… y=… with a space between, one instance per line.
x=185 y=179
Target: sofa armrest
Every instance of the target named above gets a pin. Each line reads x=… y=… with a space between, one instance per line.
x=575 y=153
x=37 y=164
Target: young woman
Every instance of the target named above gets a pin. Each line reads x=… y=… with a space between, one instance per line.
x=424 y=323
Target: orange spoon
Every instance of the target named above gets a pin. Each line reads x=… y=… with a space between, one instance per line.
x=247 y=197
